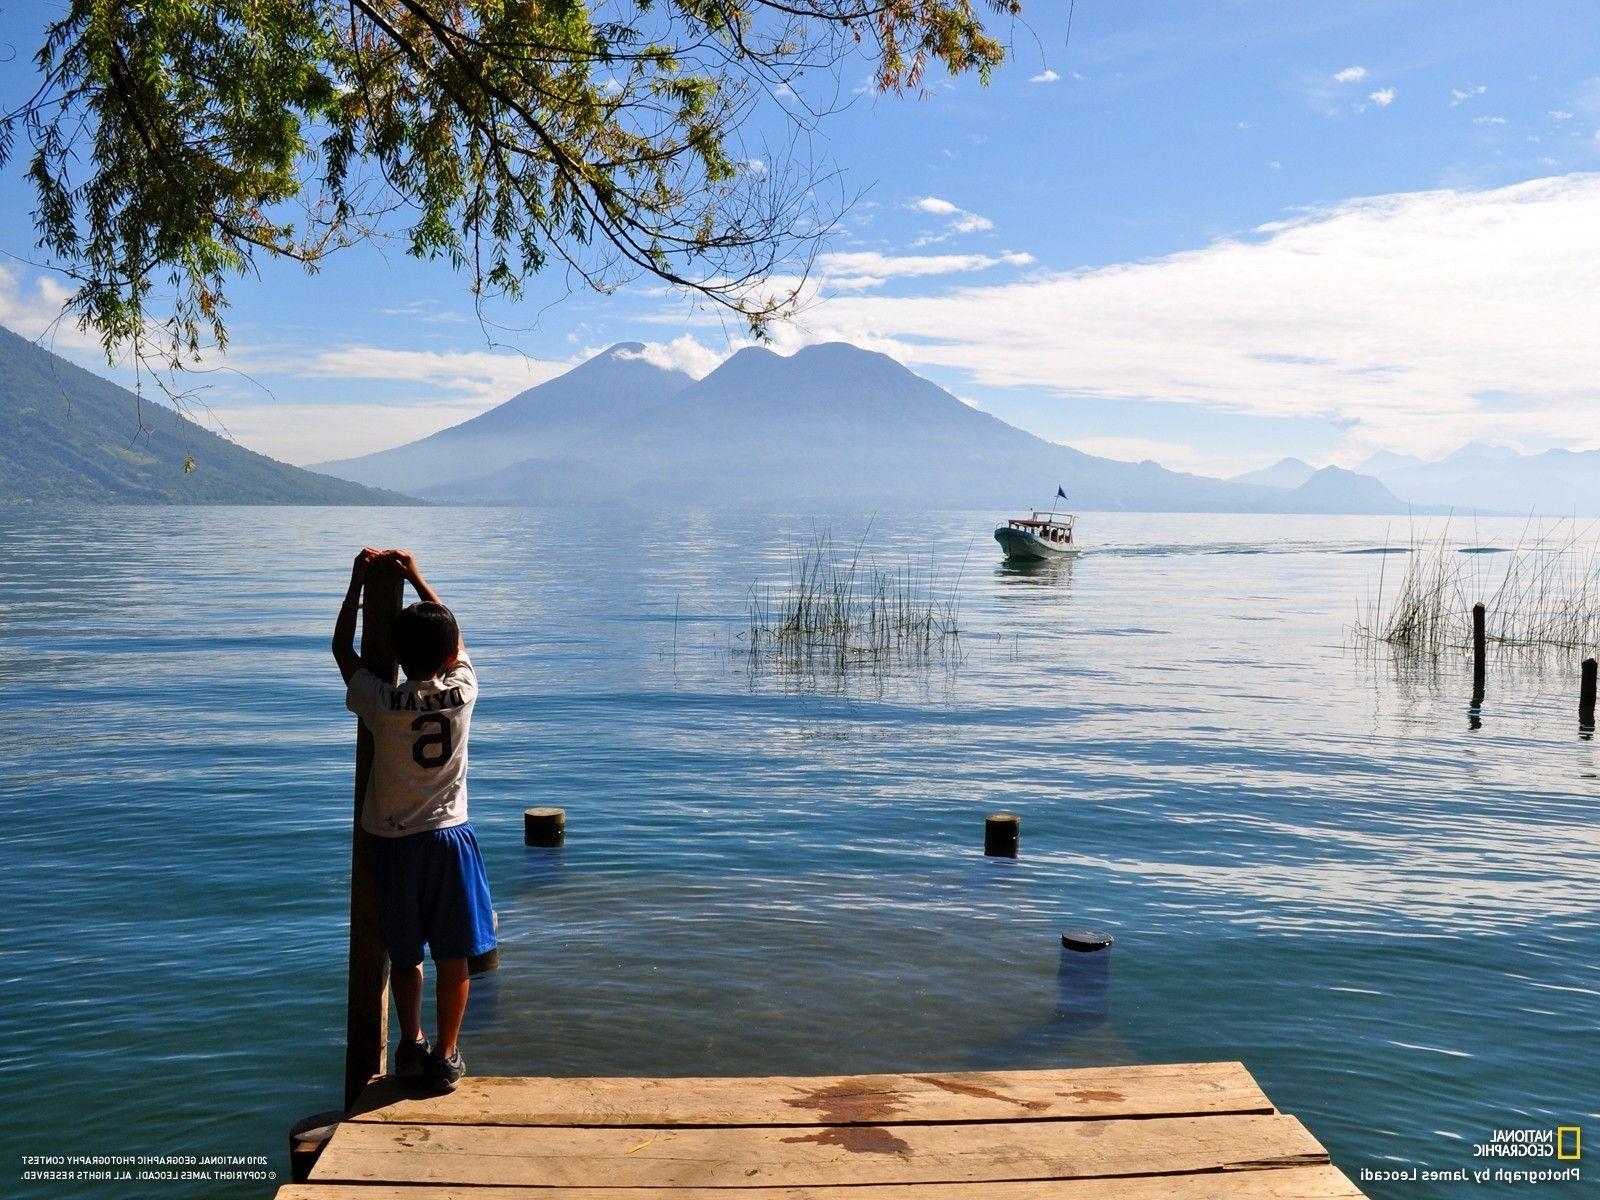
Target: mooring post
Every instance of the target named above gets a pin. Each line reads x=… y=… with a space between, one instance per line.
x=367 y=1008
x=544 y=827
x=1083 y=978
x=489 y=960
x=1002 y=833
x=1479 y=647
x=1586 y=696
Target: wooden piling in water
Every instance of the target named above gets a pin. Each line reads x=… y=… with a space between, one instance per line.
x=1479 y=649
x=1002 y=834
x=489 y=960
x=544 y=826
x=1586 y=690
x=307 y=1139
x=367 y=1004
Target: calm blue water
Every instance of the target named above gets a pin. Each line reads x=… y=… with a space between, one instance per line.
x=1310 y=861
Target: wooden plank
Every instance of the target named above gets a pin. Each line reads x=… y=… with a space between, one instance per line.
x=823 y=1156
x=1144 y=1091
x=1289 y=1183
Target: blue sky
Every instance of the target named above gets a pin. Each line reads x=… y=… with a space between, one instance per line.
x=1211 y=234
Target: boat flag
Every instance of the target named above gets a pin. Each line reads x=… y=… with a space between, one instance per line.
x=1061 y=492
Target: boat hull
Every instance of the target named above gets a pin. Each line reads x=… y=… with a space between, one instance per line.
x=1021 y=546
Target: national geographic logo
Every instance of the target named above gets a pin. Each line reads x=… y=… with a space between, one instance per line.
x=1565 y=1143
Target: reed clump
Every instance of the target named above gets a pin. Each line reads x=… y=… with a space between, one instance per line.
x=1540 y=595
x=840 y=613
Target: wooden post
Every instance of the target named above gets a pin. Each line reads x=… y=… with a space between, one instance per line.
x=1479 y=647
x=544 y=826
x=367 y=1009
x=307 y=1140
x=489 y=960
x=1002 y=832
x=1586 y=695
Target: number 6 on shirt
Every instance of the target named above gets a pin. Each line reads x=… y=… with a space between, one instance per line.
x=431 y=749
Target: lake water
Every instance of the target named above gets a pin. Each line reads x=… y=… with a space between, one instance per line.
x=1311 y=862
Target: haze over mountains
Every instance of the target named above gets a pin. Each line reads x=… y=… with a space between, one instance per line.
x=830 y=425
x=1476 y=478
x=1554 y=483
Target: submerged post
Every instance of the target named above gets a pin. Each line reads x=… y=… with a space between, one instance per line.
x=1586 y=696
x=1479 y=646
x=1002 y=831
x=367 y=1007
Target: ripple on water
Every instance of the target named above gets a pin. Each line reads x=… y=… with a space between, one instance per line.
x=1309 y=863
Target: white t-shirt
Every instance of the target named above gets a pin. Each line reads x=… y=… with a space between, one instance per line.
x=419 y=765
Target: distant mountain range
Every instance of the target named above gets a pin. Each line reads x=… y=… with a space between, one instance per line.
x=1555 y=483
x=830 y=425
x=67 y=435
x=1476 y=478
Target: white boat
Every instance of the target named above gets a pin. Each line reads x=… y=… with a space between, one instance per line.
x=1038 y=538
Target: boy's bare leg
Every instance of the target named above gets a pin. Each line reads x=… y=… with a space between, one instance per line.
x=452 y=985
x=406 y=983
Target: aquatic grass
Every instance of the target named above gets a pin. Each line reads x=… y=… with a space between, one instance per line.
x=839 y=613
x=1541 y=595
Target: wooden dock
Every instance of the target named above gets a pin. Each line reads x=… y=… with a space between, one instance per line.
x=1187 y=1132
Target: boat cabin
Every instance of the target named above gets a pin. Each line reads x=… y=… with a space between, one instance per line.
x=1047 y=527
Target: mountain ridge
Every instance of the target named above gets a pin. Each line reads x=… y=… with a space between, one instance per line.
x=609 y=388
x=836 y=424
x=69 y=435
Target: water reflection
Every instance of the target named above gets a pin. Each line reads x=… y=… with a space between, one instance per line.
x=1051 y=572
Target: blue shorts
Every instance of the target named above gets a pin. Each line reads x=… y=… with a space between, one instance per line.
x=432 y=891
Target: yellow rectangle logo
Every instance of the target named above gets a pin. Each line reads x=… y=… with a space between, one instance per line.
x=1561 y=1142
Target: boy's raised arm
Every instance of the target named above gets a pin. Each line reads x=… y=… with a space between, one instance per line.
x=344 y=629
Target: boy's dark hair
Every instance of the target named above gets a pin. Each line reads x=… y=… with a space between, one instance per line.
x=425 y=639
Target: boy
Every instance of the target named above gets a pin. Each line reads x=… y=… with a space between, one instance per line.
x=430 y=880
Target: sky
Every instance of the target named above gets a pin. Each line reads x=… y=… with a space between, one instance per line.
x=1210 y=234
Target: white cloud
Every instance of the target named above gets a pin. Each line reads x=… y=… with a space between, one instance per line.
x=854 y=271
x=1395 y=314
x=682 y=354
x=1559 y=114
x=961 y=220
x=1350 y=75
x=1045 y=76
x=33 y=309
x=439 y=377
x=1488 y=120
x=1383 y=97
x=481 y=374
x=1457 y=95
